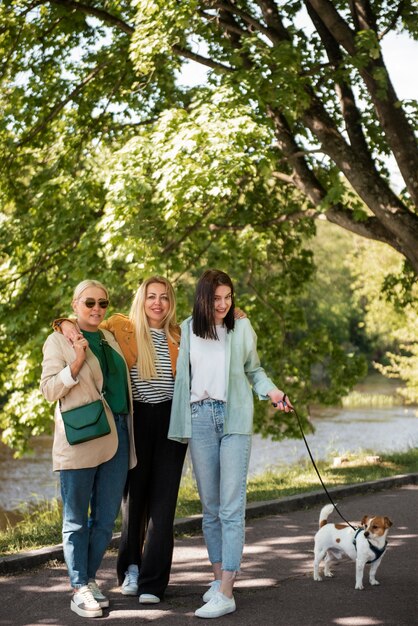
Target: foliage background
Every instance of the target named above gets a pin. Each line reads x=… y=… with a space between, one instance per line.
x=111 y=169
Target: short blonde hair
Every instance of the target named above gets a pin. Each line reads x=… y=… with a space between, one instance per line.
x=85 y=284
x=147 y=357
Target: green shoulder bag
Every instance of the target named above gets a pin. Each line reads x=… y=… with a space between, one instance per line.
x=85 y=423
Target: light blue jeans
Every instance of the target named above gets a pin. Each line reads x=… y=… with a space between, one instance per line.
x=85 y=536
x=220 y=464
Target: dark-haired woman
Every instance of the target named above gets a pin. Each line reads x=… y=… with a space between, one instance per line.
x=213 y=409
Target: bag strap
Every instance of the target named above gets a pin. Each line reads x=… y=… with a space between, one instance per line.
x=108 y=354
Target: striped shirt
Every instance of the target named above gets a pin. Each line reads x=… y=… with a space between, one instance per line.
x=158 y=389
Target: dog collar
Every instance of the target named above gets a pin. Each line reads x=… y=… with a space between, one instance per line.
x=377 y=551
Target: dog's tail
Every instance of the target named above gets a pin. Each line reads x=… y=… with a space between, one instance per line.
x=324 y=514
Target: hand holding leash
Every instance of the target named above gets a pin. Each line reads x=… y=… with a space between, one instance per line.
x=282 y=404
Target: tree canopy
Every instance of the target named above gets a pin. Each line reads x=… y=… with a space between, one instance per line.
x=113 y=168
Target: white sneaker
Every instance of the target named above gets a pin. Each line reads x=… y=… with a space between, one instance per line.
x=148 y=598
x=84 y=604
x=217 y=606
x=130 y=584
x=213 y=588
x=100 y=598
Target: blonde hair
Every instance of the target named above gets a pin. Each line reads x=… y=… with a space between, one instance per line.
x=147 y=357
x=85 y=284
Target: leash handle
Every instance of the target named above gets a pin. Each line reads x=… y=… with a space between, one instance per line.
x=293 y=410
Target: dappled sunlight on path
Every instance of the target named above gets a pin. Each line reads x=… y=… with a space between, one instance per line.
x=274 y=588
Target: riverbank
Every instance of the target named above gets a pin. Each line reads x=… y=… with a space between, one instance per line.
x=29 y=481
x=42 y=527
x=187 y=527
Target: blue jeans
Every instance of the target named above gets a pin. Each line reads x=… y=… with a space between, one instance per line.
x=86 y=534
x=220 y=464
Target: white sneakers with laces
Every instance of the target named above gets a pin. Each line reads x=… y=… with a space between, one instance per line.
x=130 y=584
x=217 y=606
x=148 y=598
x=84 y=604
x=213 y=588
x=100 y=598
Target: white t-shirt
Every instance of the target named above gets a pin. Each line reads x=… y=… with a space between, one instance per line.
x=208 y=367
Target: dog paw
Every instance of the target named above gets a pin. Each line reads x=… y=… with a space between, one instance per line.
x=359 y=586
x=317 y=577
x=374 y=582
x=329 y=574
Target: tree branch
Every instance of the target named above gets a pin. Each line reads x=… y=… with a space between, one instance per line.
x=281 y=219
x=188 y=54
x=58 y=107
x=193 y=227
x=276 y=29
x=101 y=14
x=394 y=225
x=267 y=302
x=39 y=265
x=23 y=14
x=227 y=26
x=350 y=112
x=9 y=56
x=392 y=25
x=334 y=23
x=399 y=133
x=371 y=228
x=362 y=14
x=112 y=20
x=236 y=11
x=147 y=122
x=303 y=178
x=285 y=178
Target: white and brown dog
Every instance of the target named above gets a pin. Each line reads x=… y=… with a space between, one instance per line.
x=365 y=545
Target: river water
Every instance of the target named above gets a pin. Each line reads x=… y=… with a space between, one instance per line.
x=337 y=431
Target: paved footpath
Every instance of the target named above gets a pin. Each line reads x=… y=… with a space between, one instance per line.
x=275 y=587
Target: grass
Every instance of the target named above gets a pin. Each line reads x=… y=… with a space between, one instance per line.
x=42 y=527
x=356 y=400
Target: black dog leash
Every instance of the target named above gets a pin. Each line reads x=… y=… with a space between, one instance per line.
x=293 y=410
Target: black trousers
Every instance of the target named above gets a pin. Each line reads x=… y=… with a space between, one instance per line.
x=149 y=501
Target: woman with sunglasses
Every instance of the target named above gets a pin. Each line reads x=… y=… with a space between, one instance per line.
x=213 y=409
x=149 y=339
x=93 y=473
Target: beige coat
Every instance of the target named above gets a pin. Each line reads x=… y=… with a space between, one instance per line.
x=58 y=355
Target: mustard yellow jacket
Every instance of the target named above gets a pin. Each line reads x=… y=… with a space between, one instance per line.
x=124 y=332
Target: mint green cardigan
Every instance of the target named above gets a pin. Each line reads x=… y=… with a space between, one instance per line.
x=243 y=371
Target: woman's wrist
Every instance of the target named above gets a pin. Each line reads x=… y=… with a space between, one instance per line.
x=277 y=395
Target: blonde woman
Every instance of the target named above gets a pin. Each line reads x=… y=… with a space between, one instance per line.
x=149 y=504
x=92 y=474
x=149 y=338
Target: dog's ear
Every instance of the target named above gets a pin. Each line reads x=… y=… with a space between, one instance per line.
x=388 y=522
x=364 y=520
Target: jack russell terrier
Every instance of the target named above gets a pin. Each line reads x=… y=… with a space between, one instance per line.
x=367 y=544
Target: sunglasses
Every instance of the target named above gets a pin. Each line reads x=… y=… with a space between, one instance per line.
x=91 y=302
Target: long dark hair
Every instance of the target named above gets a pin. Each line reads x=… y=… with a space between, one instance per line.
x=204 y=304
